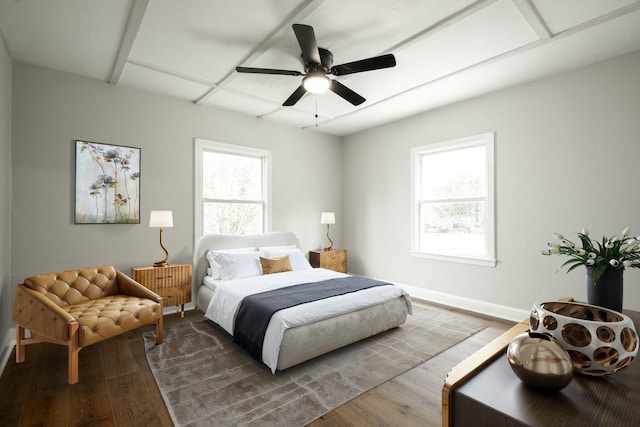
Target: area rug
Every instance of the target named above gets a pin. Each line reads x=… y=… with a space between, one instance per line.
x=207 y=380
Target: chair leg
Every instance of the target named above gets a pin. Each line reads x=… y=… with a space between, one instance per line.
x=74 y=349
x=20 y=347
x=159 y=327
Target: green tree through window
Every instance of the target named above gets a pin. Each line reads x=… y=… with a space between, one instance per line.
x=453 y=200
x=233 y=188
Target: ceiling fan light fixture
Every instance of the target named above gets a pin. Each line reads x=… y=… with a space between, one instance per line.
x=316 y=83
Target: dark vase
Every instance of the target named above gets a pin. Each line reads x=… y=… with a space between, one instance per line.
x=608 y=291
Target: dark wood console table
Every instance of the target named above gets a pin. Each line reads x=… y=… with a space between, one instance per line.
x=484 y=391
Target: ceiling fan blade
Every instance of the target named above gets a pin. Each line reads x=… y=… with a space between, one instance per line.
x=267 y=71
x=375 y=63
x=307 y=41
x=346 y=93
x=295 y=96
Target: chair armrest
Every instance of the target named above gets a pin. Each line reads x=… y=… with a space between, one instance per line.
x=128 y=286
x=40 y=315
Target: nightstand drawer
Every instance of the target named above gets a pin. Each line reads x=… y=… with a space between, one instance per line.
x=174 y=295
x=331 y=260
x=172 y=283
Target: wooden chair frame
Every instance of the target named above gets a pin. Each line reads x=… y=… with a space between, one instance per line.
x=48 y=322
x=72 y=344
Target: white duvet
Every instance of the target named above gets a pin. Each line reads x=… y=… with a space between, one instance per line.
x=229 y=294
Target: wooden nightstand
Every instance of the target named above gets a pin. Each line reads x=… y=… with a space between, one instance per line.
x=172 y=283
x=335 y=259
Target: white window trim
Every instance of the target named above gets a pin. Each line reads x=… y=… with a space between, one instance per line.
x=485 y=139
x=202 y=145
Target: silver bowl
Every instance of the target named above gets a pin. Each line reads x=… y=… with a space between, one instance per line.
x=540 y=362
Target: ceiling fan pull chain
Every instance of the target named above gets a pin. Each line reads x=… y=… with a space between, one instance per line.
x=316 y=110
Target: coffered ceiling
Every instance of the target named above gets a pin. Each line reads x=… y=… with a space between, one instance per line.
x=446 y=50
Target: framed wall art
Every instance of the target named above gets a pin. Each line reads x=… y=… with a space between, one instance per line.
x=107 y=184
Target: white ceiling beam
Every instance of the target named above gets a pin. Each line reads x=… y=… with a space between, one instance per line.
x=298 y=14
x=601 y=19
x=163 y=70
x=318 y=115
x=450 y=20
x=252 y=96
x=533 y=18
x=136 y=13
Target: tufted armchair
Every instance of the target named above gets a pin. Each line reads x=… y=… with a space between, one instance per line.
x=81 y=307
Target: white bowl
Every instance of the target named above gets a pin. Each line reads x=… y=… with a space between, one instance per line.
x=600 y=341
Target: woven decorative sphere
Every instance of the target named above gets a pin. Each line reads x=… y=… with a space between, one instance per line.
x=600 y=341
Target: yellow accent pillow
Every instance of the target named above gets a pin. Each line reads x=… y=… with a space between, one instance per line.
x=275 y=265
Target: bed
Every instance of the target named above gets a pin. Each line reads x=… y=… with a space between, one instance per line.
x=298 y=333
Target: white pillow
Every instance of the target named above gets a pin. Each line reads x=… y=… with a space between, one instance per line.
x=296 y=257
x=239 y=264
x=214 y=267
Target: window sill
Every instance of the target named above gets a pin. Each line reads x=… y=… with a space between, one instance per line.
x=485 y=262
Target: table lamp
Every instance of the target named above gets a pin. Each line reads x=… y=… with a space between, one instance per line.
x=161 y=219
x=328 y=218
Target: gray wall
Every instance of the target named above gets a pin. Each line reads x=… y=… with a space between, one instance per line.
x=51 y=109
x=567 y=151
x=566 y=158
x=6 y=287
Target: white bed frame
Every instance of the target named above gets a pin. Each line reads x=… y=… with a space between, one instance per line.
x=328 y=334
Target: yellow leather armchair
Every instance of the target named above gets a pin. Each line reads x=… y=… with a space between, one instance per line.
x=81 y=307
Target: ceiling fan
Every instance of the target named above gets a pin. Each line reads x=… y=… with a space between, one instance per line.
x=317 y=63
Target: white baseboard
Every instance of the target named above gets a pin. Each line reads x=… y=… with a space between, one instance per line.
x=481 y=307
x=8 y=342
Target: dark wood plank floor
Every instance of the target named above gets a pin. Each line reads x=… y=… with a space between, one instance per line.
x=116 y=386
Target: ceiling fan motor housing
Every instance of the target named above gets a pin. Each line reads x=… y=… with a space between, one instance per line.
x=326 y=61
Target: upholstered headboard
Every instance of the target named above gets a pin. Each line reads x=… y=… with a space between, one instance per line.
x=232 y=241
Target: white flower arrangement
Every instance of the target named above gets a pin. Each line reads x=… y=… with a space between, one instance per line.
x=613 y=253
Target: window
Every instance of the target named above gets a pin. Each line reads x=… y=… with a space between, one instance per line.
x=453 y=200
x=232 y=184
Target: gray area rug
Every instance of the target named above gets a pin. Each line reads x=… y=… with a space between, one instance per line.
x=207 y=380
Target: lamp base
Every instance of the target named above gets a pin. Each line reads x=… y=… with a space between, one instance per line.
x=330 y=248
x=160 y=264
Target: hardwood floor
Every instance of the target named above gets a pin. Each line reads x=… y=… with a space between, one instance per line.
x=414 y=397
x=116 y=386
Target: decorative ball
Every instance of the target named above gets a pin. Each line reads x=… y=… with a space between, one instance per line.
x=600 y=341
x=540 y=362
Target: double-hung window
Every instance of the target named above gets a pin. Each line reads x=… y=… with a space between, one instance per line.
x=232 y=188
x=453 y=200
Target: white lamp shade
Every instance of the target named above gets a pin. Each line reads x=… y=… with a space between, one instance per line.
x=328 y=218
x=161 y=219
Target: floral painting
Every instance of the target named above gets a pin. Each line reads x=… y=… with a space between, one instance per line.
x=107 y=184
